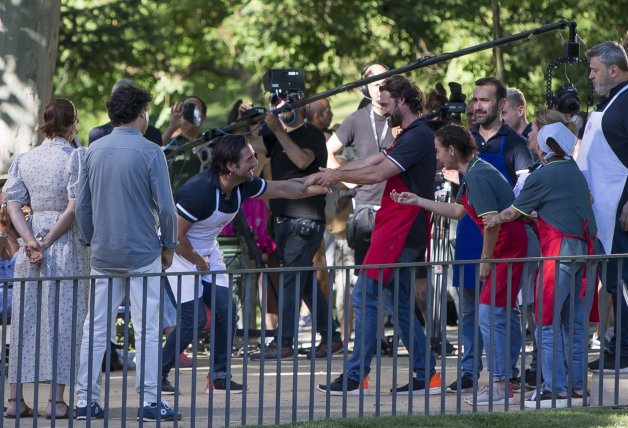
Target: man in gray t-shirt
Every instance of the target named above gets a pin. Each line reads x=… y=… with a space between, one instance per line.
x=367 y=131
x=124 y=198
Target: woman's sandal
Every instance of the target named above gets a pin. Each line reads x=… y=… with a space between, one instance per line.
x=66 y=415
x=26 y=411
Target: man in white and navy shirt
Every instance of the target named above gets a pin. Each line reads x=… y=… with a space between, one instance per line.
x=205 y=204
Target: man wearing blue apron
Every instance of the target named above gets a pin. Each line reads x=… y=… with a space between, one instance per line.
x=603 y=159
x=205 y=204
x=507 y=151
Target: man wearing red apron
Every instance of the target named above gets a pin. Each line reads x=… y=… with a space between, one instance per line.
x=400 y=236
x=603 y=159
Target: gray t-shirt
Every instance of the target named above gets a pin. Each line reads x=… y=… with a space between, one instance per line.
x=124 y=197
x=560 y=194
x=357 y=131
x=487 y=190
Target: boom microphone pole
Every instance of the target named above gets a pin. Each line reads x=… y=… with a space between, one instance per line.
x=424 y=61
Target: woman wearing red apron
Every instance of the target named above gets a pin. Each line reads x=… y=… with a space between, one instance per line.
x=485 y=191
x=558 y=192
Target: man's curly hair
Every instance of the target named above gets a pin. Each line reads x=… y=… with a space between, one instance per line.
x=127 y=103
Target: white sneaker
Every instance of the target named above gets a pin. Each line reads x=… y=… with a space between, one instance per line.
x=500 y=396
x=595 y=342
x=469 y=398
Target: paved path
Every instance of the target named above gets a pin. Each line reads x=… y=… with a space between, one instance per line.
x=300 y=404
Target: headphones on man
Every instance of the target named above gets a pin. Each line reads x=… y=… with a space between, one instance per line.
x=364 y=88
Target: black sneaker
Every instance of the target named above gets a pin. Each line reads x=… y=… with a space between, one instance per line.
x=82 y=409
x=515 y=383
x=166 y=387
x=530 y=378
x=577 y=399
x=466 y=384
x=320 y=351
x=419 y=388
x=353 y=387
x=272 y=351
x=609 y=364
x=220 y=386
x=435 y=346
x=545 y=401
x=151 y=411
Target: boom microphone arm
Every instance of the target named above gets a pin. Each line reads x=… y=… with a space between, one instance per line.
x=424 y=61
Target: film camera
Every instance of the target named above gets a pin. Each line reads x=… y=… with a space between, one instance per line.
x=449 y=111
x=566 y=100
x=285 y=84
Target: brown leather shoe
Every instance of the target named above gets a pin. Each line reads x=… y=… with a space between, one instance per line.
x=271 y=352
x=321 y=350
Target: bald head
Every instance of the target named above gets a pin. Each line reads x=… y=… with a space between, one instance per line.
x=373 y=87
x=319 y=114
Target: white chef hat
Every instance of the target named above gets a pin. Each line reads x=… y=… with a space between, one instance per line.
x=559 y=133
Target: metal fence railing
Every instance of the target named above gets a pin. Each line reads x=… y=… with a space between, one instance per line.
x=41 y=353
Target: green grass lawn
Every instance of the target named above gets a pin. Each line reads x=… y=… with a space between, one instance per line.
x=544 y=418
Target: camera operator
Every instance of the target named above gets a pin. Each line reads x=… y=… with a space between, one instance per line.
x=186 y=119
x=296 y=149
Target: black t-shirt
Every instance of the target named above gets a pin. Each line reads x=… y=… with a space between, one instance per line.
x=196 y=199
x=282 y=168
x=516 y=153
x=414 y=153
x=526 y=131
x=151 y=134
x=184 y=165
x=357 y=131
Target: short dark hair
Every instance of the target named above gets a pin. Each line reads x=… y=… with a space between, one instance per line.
x=226 y=149
x=555 y=147
x=500 y=88
x=515 y=97
x=59 y=116
x=459 y=137
x=400 y=87
x=127 y=103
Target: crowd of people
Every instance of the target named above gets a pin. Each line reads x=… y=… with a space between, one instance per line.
x=525 y=189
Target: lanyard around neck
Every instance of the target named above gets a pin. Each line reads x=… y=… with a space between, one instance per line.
x=378 y=141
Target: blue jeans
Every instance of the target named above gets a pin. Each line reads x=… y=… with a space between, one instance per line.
x=221 y=344
x=297 y=241
x=470 y=348
x=468 y=322
x=497 y=353
x=364 y=355
x=557 y=379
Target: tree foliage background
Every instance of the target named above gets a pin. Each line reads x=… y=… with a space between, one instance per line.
x=220 y=49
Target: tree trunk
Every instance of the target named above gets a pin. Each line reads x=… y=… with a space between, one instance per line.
x=29 y=39
x=498 y=32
